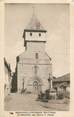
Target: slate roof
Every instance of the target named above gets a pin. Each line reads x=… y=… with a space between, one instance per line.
x=7 y=65
x=34 y=24
x=65 y=77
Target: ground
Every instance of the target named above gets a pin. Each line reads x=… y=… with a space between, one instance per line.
x=28 y=102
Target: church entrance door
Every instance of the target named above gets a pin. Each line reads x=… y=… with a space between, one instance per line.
x=36 y=87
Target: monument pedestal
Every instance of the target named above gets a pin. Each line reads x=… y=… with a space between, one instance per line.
x=52 y=93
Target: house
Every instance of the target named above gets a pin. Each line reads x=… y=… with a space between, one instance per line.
x=7 y=80
x=62 y=83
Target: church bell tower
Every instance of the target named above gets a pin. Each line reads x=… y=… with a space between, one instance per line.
x=34 y=32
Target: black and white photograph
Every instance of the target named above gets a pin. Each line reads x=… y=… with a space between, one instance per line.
x=36 y=57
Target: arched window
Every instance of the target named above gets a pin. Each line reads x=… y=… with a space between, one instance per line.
x=36 y=56
x=39 y=34
x=30 y=34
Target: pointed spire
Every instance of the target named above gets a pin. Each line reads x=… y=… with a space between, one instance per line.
x=34 y=23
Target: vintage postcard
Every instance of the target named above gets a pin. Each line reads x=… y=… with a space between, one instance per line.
x=37 y=59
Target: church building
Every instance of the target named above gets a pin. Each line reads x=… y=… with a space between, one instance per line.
x=34 y=65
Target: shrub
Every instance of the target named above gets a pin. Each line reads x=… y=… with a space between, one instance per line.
x=67 y=95
x=47 y=94
x=60 y=95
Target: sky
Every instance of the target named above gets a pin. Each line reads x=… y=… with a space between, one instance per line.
x=54 y=18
